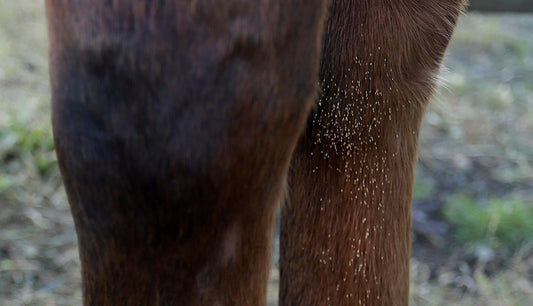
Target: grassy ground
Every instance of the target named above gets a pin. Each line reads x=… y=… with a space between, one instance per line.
x=473 y=216
x=38 y=256
x=473 y=196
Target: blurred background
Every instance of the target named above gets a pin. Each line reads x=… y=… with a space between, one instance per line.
x=473 y=199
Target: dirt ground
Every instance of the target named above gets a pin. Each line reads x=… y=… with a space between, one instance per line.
x=477 y=141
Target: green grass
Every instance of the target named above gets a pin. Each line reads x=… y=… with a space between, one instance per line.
x=424 y=185
x=501 y=223
x=25 y=150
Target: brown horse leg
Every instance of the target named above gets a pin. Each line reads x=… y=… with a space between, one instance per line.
x=174 y=122
x=345 y=231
